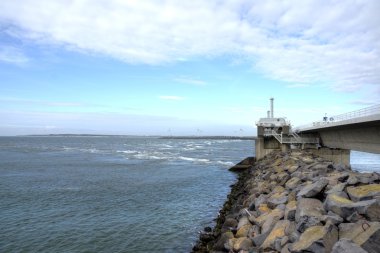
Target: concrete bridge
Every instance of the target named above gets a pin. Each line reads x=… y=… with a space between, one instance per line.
x=332 y=138
x=358 y=130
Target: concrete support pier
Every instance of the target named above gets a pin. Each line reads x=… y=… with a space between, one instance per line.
x=265 y=145
x=339 y=156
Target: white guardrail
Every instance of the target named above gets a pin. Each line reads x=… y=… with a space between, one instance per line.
x=327 y=121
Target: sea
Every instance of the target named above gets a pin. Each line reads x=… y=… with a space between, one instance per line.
x=117 y=193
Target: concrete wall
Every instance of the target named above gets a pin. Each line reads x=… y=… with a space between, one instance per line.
x=340 y=156
x=265 y=145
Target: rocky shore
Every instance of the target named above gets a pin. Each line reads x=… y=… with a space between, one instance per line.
x=297 y=202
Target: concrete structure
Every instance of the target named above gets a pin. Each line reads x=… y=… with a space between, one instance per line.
x=276 y=134
x=331 y=138
x=359 y=130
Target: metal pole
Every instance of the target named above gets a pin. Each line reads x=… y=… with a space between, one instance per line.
x=271 y=107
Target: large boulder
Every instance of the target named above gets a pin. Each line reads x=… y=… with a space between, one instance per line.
x=290 y=210
x=363 y=192
x=345 y=207
x=339 y=205
x=292 y=183
x=317 y=239
x=313 y=189
x=224 y=238
x=243 y=231
x=309 y=213
x=347 y=246
x=277 y=199
x=278 y=232
x=242 y=243
x=363 y=233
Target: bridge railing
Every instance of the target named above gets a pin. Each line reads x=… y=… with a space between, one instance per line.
x=368 y=111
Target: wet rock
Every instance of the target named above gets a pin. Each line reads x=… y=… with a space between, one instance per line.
x=363 y=192
x=224 y=238
x=229 y=224
x=347 y=246
x=277 y=232
x=317 y=239
x=313 y=189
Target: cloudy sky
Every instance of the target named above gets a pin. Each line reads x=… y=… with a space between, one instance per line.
x=183 y=67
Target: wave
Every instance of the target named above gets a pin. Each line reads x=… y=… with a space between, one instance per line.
x=84 y=150
x=201 y=160
x=127 y=151
x=229 y=164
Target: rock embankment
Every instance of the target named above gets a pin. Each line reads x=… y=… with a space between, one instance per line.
x=296 y=202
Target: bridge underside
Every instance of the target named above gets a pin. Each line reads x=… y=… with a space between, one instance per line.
x=363 y=136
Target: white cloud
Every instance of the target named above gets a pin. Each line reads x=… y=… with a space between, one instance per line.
x=175 y=98
x=12 y=55
x=332 y=42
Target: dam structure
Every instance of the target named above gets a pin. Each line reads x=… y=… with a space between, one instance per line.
x=332 y=138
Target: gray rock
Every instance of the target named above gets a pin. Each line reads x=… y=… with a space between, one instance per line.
x=242 y=222
x=262 y=199
x=363 y=192
x=341 y=206
x=317 y=239
x=347 y=246
x=363 y=233
x=313 y=189
x=309 y=207
x=219 y=245
x=307 y=221
x=337 y=188
x=372 y=244
x=259 y=239
x=332 y=218
x=229 y=224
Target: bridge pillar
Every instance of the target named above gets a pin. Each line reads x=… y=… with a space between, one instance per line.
x=265 y=145
x=340 y=156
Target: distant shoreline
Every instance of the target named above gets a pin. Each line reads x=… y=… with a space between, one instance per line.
x=189 y=137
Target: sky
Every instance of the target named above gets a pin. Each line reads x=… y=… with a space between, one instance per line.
x=139 y=67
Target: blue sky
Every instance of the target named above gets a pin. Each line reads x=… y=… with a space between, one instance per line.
x=170 y=67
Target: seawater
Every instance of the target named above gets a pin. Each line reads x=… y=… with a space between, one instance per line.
x=112 y=194
x=116 y=194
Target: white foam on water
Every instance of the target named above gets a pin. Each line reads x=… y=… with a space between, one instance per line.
x=201 y=160
x=229 y=164
x=127 y=151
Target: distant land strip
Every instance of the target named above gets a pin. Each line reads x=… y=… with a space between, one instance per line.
x=189 y=137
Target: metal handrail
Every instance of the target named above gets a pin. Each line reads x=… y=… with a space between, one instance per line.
x=368 y=111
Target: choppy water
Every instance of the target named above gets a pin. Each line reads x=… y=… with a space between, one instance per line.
x=116 y=194
x=111 y=194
